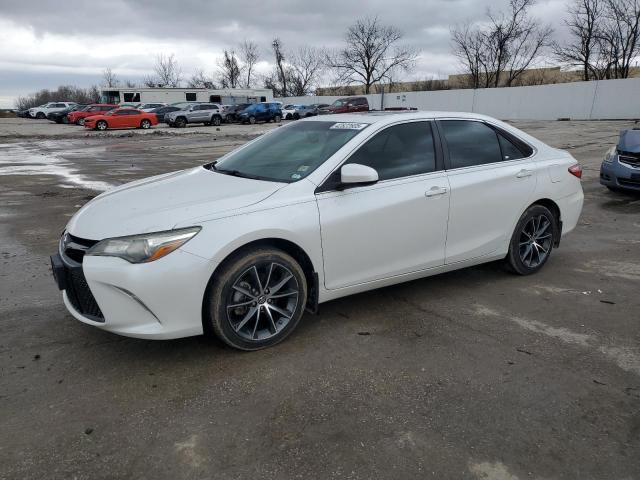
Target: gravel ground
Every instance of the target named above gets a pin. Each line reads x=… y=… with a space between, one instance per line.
x=475 y=374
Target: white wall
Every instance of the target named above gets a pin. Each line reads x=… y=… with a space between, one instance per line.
x=599 y=100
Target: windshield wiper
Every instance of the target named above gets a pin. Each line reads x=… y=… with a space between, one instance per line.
x=233 y=173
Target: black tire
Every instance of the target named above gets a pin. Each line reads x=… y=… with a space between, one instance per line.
x=40 y=116
x=216 y=120
x=101 y=125
x=532 y=240
x=64 y=120
x=180 y=122
x=236 y=326
x=277 y=119
x=145 y=124
x=296 y=116
x=80 y=122
x=252 y=120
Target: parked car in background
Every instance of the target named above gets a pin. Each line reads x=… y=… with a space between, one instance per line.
x=319 y=106
x=61 y=116
x=121 y=118
x=42 y=111
x=23 y=113
x=620 y=169
x=347 y=105
x=242 y=246
x=296 y=112
x=233 y=111
x=261 y=112
x=162 y=111
x=207 y=113
x=147 y=107
x=78 y=117
x=183 y=105
x=129 y=105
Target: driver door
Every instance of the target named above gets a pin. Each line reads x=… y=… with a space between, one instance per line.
x=395 y=226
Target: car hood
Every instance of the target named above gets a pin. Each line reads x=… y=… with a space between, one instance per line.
x=166 y=201
x=629 y=141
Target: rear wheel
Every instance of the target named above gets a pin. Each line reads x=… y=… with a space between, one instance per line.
x=216 y=120
x=64 y=120
x=101 y=125
x=532 y=240
x=296 y=116
x=146 y=124
x=277 y=118
x=257 y=299
x=252 y=120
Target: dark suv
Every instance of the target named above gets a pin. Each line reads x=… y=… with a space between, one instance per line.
x=347 y=105
x=261 y=112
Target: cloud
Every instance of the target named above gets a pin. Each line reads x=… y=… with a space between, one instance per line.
x=73 y=41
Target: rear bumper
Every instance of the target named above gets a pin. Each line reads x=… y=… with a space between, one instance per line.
x=617 y=175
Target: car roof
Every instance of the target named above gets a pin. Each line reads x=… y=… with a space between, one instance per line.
x=379 y=117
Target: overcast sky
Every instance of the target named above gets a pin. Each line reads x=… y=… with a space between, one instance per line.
x=47 y=43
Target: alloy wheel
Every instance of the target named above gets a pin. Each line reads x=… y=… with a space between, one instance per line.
x=262 y=301
x=535 y=241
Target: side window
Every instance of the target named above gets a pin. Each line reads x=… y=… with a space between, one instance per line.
x=470 y=143
x=131 y=96
x=399 y=151
x=190 y=96
x=509 y=150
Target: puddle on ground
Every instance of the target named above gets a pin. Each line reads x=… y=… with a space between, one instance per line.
x=21 y=159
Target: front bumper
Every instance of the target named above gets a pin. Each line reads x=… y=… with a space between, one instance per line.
x=619 y=175
x=156 y=300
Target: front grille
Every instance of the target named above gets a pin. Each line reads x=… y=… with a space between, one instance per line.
x=629 y=182
x=75 y=247
x=629 y=158
x=80 y=295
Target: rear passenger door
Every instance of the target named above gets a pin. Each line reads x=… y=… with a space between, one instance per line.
x=492 y=180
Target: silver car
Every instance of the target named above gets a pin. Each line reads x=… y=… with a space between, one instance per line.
x=207 y=113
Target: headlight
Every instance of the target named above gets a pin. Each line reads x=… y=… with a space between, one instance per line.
x=610 y=155
x=144 y=248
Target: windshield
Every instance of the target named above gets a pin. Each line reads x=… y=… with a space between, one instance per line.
x=339 y=103
x=289 y=154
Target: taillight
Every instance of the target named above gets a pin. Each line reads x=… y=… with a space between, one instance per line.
x=576 y=170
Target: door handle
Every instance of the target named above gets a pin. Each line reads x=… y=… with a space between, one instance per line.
x=524 y=173
x=435 y=191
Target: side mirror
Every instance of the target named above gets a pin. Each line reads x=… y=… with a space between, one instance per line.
x=354 y=174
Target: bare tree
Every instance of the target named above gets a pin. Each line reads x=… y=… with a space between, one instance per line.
x=499 y=50
x=167 y=72
x=304 y=70
x=249 y=57
x=200 y=80
x=372 y=52
x=130 y=84
x=229 y=70
x=280 y=66
x=620 y=36
x=582 y=49
x=109 y=78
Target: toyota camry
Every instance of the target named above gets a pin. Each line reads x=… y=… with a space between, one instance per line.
x=309 y=212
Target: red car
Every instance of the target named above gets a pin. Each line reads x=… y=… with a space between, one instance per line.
x=94 y=109
x=347 y=105
x=121 y=118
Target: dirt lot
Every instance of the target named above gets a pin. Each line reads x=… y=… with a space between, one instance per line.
x=474 y=374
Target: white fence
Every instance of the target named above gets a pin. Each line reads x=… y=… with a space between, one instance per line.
x=597 y=100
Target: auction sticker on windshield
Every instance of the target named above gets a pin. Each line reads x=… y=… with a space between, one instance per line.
x=348 y=126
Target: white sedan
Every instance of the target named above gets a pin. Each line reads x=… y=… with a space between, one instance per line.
x=316 y=210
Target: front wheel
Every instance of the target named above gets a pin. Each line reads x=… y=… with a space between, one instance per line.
x=101 y=125
x=257 y=299
x=252 y=120
x=277 y=119
x=215 y=121
x=180 y=122
x=532 y=240
x=80 y=122
x=146 y=124
x=40 y=116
